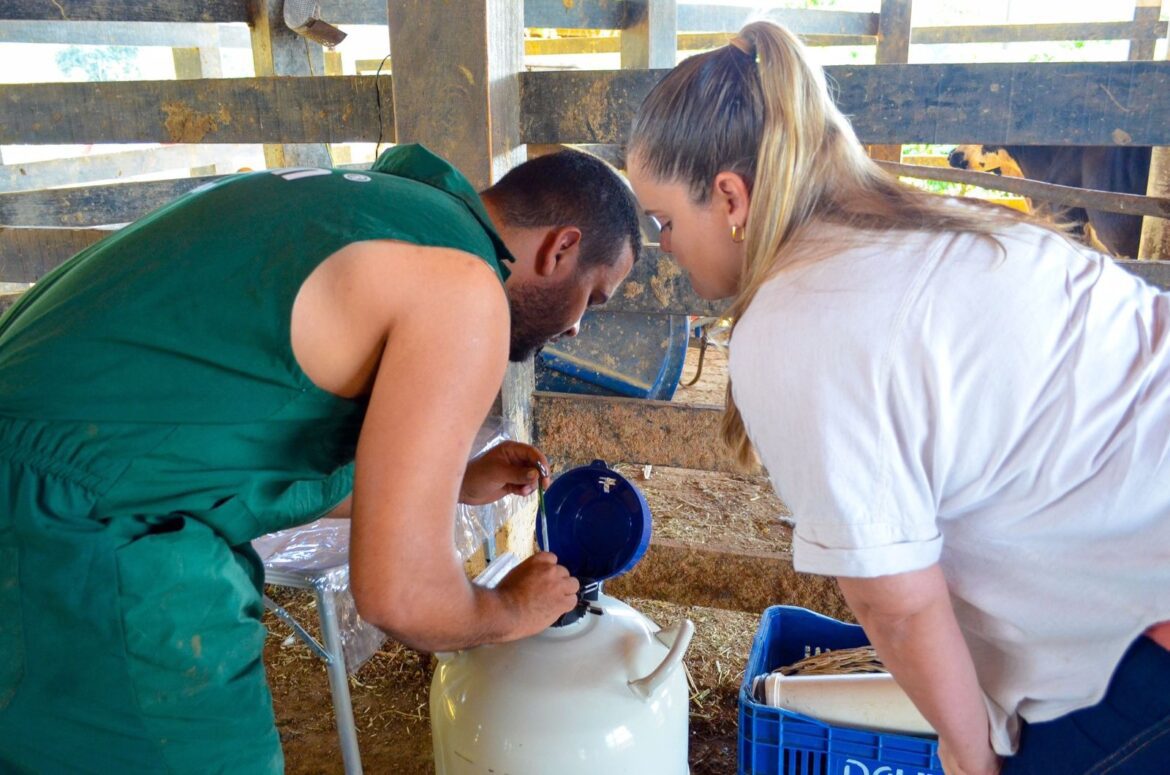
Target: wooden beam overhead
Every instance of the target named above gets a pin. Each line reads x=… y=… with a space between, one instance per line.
x=126 y=10
x=333 y=109
x=1102 y=103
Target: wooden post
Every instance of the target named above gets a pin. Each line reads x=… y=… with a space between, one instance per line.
x=1144 y=11
x=189 y=65
x=1155 y=241
x=893 y=48
x=277 y=50
x=457 y=90
x=651 y=39
x=456 y=86
x=333 y=66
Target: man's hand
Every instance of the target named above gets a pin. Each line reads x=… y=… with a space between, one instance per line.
x=537 y=591
x=509 y=468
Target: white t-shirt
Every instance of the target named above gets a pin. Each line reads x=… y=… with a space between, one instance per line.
x=1003 y=412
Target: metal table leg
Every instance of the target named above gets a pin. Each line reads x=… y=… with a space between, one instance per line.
x=338 y=681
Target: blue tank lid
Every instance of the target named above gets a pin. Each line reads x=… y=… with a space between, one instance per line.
x=598 y=522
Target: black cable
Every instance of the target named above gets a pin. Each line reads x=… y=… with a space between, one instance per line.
x=378 y=95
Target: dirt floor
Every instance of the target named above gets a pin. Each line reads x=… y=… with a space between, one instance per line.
x=390 y=692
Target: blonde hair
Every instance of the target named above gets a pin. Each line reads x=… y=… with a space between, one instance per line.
x=760 y=108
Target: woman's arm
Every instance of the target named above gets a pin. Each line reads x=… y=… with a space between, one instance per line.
x=909 y=620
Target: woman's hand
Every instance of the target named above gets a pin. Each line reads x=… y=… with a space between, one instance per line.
x=990 y=764
x=509 y=468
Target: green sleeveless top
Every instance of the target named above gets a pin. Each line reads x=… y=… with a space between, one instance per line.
x=153 y=420
x=163 y=352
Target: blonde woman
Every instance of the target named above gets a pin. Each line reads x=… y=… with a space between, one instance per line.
x=968 y=413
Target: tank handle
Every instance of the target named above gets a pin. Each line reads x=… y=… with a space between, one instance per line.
x=645 y=687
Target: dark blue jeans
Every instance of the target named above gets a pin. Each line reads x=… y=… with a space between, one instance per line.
x=1127 y=733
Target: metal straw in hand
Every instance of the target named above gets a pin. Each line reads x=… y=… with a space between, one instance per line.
x=540 y=506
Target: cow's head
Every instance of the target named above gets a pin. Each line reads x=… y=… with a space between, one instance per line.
x=985 y=158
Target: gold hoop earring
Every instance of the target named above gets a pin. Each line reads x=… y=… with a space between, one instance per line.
x=738 y=233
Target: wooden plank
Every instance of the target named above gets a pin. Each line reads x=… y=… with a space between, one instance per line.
x=561 y=14
x=1155 y=272
x=27 y=255
x=278 y=51
x=893 y=43
x=1145 y=12
x=334 y=109
x=7 y=299
x=100 y=205
x=686 y=41
x=611 y=154
x=447 y=77
x=112 y=33
x=189 y=65
x=714 y=576
x=893 y=48
x=583 y=14
x=126 y=10
x=726 y=18
x=650 y=39
x=1099 y=103
x=1026 y=33
x=1109 y=201
x=92 y=205
x=30 y=176
x=657 y=284
x=1155 y=236
x=596 y=14
x=456 y=89
x=575 y=428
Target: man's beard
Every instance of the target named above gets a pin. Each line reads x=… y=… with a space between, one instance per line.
x=536 y=318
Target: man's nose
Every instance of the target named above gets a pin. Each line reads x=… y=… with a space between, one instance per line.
x=572 y=330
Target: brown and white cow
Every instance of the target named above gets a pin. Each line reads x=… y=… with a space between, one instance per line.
x=1123 y=169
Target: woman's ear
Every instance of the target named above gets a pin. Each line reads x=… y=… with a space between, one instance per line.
x=732 y=197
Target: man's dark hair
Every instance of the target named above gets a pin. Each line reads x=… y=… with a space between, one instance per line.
x=572 y=188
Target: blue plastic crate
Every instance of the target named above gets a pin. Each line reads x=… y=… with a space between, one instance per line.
x=773 y=741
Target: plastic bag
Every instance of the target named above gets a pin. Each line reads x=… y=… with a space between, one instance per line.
x=316 y=556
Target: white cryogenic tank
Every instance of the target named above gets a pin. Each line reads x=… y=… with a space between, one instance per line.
x=601 y=692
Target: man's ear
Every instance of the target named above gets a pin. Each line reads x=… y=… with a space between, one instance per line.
x=558 y=252
x=732 y=195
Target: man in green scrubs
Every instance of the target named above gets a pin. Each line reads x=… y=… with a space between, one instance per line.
x=275 y=347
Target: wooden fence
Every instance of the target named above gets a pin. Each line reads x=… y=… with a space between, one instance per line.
x=448 y=80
